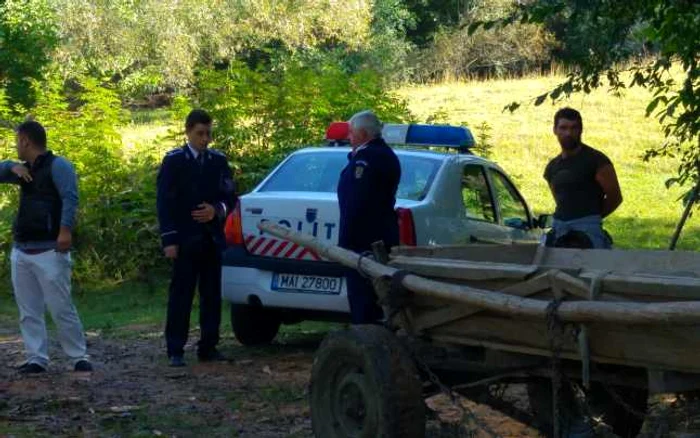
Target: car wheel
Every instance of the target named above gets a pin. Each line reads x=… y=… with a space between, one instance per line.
x=254 y=325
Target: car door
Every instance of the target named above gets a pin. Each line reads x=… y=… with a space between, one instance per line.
x=479 y=213
x=514 y=216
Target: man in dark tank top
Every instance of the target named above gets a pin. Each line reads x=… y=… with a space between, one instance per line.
x=583 y=183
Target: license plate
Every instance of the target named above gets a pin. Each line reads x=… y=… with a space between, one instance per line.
x=307 y=284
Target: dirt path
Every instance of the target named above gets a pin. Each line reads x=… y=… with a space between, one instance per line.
x=261 y=393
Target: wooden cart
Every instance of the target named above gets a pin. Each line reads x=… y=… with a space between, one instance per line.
x=621 y=324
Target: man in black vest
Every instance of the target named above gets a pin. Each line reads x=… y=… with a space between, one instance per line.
x=41 y=261
x=196 y=192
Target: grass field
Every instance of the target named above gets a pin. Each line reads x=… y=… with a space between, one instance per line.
x=523 y=144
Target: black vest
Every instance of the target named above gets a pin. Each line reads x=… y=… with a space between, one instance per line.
x=40 y=205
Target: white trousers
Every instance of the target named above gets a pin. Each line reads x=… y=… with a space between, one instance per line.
x=40 y=281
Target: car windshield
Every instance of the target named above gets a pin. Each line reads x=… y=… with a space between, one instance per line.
x=319 y=172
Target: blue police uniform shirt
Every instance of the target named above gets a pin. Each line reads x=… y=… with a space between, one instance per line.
x=367 y=195
x=184 y=182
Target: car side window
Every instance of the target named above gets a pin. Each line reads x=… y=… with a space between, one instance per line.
x=476 y=196
x=513 y=209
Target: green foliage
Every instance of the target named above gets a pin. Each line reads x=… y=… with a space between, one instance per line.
x=482 y=133
x=261 y=115
x=27 y=37
x=156 y=45
x=601 y=41
x=115 y=236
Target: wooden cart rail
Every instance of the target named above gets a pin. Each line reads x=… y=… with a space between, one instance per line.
x=505 y=302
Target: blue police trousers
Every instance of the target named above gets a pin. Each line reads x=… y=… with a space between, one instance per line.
x=198 y=261
x=362 y=299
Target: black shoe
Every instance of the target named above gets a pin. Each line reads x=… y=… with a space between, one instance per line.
x=211 y=356
x=83 y=366
x=177 y=361
x=31 y=368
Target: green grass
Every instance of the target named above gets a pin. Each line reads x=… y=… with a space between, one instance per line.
x=130 y=308
x=523 y=143
x=146 y=131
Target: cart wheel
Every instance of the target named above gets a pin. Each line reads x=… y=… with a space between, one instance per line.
x=365 y=385
x=602 y=404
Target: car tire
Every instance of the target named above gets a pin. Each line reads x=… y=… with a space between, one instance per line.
x=365 y=384
x=254 y=325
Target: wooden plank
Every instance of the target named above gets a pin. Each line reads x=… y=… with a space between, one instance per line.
x=451 y=313
x=659 y=286
x=581 y=289
x=651 y=347
x=522 y=253
x=675 y=313
x=616 y=285
x=462 y=269
x=665 y=263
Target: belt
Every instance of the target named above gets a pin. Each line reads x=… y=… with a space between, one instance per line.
x=34 y=251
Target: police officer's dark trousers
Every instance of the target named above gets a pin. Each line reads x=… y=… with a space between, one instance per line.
x=362 y=299
x=198 y=261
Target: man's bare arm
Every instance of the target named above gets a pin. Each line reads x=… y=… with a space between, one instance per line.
x=607 y=179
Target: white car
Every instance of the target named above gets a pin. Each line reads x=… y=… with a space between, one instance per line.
x=443 y=198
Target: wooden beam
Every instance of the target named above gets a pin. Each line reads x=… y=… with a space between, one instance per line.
x=675 y=313
x=581 y=289
x=651 y=347
x=663 y=263
x=462 y=269
x=522 y=253
x=657 y=286
x=448 y=314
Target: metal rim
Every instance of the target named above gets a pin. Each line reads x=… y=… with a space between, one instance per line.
x=352 y=406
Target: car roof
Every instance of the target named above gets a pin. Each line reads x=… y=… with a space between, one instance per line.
x=399 y=151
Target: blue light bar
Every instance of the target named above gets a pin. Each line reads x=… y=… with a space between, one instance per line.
x=428 y=135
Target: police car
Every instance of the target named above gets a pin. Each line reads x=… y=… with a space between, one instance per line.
x=442 y=198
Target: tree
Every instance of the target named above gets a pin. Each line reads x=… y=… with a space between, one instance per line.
x=432 y=15
x=150 y=46
x=604 y=42
x=27 y=38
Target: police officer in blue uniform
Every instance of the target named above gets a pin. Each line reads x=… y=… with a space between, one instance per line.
x=366 y=195
x=196 y=191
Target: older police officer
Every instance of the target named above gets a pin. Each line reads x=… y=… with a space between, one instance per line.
x=367 y=194
x=195 y=194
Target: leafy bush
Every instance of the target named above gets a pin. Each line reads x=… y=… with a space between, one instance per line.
x=27 y=37
x=115 y=235
x=157 y=45
x=263 y=114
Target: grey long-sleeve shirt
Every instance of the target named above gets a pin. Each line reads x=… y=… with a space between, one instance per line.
x=66 y=182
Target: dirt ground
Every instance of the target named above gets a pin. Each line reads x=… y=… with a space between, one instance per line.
x=260 y=392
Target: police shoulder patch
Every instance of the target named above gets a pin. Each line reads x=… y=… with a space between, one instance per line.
x=359 y=171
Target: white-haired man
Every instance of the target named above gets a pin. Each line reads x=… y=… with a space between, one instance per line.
x=366 y=195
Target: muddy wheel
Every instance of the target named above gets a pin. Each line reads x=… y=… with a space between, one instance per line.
x=602 y=405
x=365 y=385
x=254 y=325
